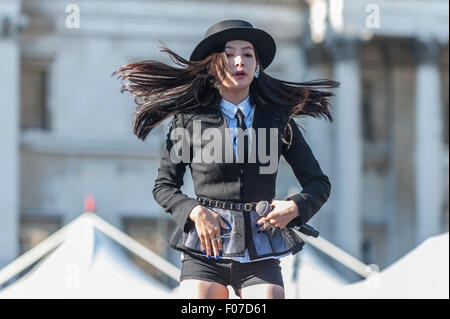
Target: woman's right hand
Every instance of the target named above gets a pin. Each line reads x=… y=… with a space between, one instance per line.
x=208 y=224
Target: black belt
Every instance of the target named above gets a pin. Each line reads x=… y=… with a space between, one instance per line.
x=246 y=207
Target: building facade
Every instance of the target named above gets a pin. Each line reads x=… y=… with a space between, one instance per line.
x=66 y=128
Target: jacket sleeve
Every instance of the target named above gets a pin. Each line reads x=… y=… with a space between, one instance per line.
x=316 y=185
x=167 y=191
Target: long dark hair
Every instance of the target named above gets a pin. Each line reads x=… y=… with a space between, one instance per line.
x=161 y=90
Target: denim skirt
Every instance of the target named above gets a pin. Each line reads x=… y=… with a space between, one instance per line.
x=262 y=244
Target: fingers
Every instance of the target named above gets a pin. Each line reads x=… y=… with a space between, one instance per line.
x=203 y=243
x=219 y=250
x=209 y=228
x=275 y=218
x=223 y=224
x=260 y=224
x=263 y=224
x=269 y=221
x=272 y=215
x=215 y=239
x=211 y=242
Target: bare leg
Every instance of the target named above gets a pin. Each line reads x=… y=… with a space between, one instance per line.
x=263 y=291
x=200 y=289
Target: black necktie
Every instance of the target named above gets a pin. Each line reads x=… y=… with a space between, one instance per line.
x=241 y=123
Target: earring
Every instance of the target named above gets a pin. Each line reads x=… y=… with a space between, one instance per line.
x=257 y=72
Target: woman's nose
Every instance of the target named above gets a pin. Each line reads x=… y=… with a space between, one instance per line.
x=238 y=61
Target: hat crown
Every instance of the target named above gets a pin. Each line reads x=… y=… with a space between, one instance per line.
x=218 y=34
x=227 y=24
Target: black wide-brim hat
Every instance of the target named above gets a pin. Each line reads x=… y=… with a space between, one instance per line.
x=218 y=34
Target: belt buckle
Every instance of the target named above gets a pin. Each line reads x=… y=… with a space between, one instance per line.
x=248 y=207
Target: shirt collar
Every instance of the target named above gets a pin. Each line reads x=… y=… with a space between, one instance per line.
x=230 y=109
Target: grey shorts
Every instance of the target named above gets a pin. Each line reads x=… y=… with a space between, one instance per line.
x=231 y=272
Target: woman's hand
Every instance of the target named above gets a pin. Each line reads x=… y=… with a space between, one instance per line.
x=208 y=224
x=283 y=211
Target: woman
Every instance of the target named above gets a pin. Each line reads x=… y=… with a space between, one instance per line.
x=224 y=90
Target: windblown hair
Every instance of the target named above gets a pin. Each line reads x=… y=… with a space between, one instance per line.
x=161 y=90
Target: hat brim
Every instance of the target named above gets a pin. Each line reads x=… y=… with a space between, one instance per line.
x=261 y=40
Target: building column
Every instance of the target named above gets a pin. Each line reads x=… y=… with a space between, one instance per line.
x=391 y=62
x=347 y=144
x=319 y=133
x=428 y=139
x=9 y=131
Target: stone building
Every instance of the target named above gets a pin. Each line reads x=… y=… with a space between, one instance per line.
x=66 y=128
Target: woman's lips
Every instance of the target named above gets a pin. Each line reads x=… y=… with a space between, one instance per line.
x=240 y=75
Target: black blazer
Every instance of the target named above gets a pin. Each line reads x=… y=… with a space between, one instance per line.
x=222 y=181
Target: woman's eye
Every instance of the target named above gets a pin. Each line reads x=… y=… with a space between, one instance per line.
x=247 y=55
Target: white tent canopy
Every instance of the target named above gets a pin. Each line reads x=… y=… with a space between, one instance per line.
x=88 y=264
x=84 y=260
x=421 y=274
x=313 y=275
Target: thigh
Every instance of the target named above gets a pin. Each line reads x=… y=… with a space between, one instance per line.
x=260 y=279
x=263 y=291
x=201 y=278
x=201 y=289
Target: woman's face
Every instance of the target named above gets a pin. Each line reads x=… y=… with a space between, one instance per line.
x=240 y=64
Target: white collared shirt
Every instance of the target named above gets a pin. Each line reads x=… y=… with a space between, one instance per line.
x=229 y=109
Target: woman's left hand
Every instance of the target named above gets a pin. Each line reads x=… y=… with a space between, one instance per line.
x=283 y=211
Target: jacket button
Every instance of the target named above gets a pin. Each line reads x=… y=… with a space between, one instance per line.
x=242 y=170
